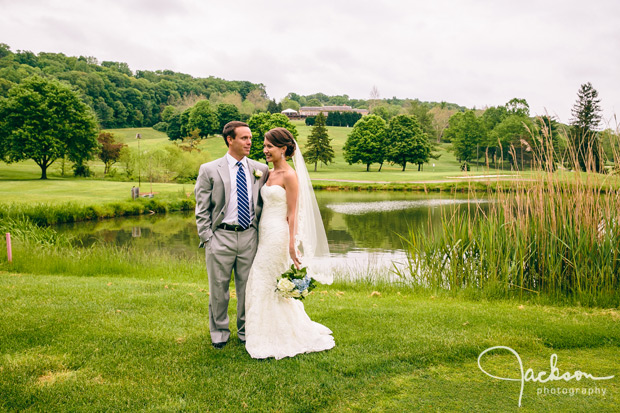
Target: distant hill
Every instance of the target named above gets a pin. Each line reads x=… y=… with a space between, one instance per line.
x=321 y=99
x=120 y=97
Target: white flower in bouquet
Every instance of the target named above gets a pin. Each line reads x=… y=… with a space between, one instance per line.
x=285 y=285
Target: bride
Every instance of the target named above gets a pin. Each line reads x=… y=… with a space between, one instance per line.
x=275 y=326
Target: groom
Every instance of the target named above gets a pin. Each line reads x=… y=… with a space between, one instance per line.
x=228 y=207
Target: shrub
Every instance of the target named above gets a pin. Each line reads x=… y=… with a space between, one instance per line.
x=161 y=126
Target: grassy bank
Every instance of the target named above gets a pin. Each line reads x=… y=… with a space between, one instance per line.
x=44 y=213
x=108 y=343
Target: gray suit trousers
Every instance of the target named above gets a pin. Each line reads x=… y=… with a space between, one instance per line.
x=228 y=251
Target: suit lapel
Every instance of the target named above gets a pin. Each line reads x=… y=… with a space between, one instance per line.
x=254 y=181
x=222 y=169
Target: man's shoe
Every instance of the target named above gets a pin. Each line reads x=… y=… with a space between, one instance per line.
x=219 y=346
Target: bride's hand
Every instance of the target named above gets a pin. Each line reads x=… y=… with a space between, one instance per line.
x=294 y=256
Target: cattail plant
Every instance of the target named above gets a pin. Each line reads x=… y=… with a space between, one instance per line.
x=556 y=235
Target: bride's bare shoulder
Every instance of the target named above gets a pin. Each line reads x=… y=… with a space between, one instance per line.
x=290 y=178
x=290 y=173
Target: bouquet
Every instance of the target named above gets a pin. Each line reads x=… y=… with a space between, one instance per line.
x=295 y=283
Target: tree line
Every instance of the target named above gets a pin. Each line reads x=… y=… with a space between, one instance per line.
x=121 y=98
x=508 y=133
x=346 y=119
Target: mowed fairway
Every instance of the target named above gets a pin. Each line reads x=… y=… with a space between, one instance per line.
x=83 y=191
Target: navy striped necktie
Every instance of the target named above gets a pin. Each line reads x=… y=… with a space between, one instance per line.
x=243 y=204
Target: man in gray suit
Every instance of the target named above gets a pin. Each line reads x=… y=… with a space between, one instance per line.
x=228 y=207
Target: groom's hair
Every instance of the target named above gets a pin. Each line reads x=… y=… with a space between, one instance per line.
x=229 y=129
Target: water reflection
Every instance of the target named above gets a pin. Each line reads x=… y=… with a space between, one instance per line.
x=364 y=229
x=359 y=208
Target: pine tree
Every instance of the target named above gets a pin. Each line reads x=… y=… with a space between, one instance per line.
x=586 y=118
x=319 y=148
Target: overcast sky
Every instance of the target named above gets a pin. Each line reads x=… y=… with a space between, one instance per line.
x=475 y=53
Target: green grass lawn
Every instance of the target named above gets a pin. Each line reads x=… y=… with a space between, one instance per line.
x=72 y=343
x=83 y=191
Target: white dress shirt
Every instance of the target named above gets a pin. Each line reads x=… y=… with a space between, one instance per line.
x=231 y=215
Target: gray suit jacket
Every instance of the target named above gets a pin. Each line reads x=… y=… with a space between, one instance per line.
x=213 y=193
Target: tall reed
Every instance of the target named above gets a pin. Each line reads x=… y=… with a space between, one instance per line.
x=557 y=236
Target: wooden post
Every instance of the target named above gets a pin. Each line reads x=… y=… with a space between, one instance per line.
x=9 y=251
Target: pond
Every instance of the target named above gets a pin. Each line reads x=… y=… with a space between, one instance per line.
x=364 y=229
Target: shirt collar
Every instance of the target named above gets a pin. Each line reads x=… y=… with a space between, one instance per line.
x=232 y=162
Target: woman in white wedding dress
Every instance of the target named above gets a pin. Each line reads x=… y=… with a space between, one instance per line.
x=275 y=326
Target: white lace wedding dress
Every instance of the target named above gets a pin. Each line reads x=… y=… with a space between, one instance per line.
x=275 y=326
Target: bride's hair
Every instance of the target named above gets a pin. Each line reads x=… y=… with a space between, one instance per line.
x=280 y=138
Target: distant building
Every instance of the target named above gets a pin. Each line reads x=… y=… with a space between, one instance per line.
x=291 y=113
x=306 y=111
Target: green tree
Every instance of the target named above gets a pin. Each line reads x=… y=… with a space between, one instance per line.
x=350 y=118
x=514 y=135
x=383 y=112
x=547 y=143
x=493 y=116
x=185 y=127
x=5 y=50
x=518 y=107
x=278 y=120
x=424 y=116
x=227 y=112
x=109 y=150
x=261 y=123
x=367 y=142
x=467 y=133
x=204 y=118
x=167 y=113
x=407 y=142
x=318 y=147
x=288 y=103
x=586 y=119
x=174 y=127
x=301 y=100
x=386 y=110
x=273 y=107
x=44 y=120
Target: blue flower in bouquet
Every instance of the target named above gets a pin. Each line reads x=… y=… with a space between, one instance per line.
x=300 y=284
